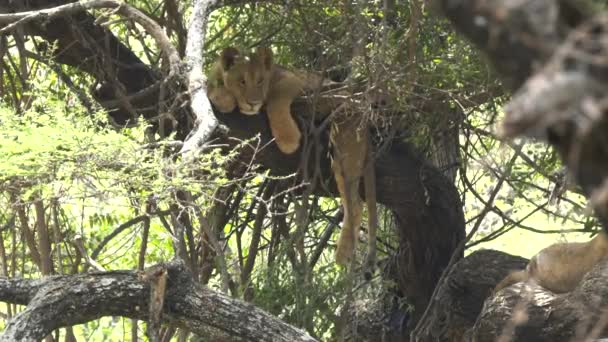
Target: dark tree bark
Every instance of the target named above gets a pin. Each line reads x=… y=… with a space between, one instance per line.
x=427 y=207
x=462 y=296
x=83 y=44
x=61 y=301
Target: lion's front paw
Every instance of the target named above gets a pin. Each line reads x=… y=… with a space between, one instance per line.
x=225 y=103
x=288 y=144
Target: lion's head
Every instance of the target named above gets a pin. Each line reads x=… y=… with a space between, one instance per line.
x=247 y=77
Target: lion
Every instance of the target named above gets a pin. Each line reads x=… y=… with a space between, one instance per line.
x=250 y=82
x=560 y=267
x=353 y=160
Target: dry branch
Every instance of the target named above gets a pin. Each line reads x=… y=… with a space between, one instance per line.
x=61 y=301
x=13 y=20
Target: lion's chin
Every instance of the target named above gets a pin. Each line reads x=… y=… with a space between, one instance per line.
x=252 y=111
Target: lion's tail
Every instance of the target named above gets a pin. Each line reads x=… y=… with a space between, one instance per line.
x=512 y=278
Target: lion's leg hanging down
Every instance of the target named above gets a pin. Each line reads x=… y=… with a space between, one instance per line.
x=351 y=202
x=282 y=124
x=350 y=144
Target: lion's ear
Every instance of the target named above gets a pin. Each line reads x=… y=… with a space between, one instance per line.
x=229 y=56
x=264 y=55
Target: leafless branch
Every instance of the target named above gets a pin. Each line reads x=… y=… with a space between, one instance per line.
x=14 y=20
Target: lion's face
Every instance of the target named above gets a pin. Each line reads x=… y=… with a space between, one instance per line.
x=247 y=78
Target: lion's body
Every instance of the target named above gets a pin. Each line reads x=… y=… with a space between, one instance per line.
x=560 y=267
x=249 y=83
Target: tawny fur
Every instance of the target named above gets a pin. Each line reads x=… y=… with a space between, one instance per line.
x=560 y=267
x=249 y=82
x=352 y=160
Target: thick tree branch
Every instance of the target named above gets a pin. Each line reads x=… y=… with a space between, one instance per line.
x=564 y=101
x=459 y=251
x=61 y=301
x=124 y=82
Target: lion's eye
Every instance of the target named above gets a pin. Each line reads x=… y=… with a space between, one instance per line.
x=243 y=82
x=261 y=81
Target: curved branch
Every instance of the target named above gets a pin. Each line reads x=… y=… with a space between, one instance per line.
x=13 y=20
x=61 y=301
